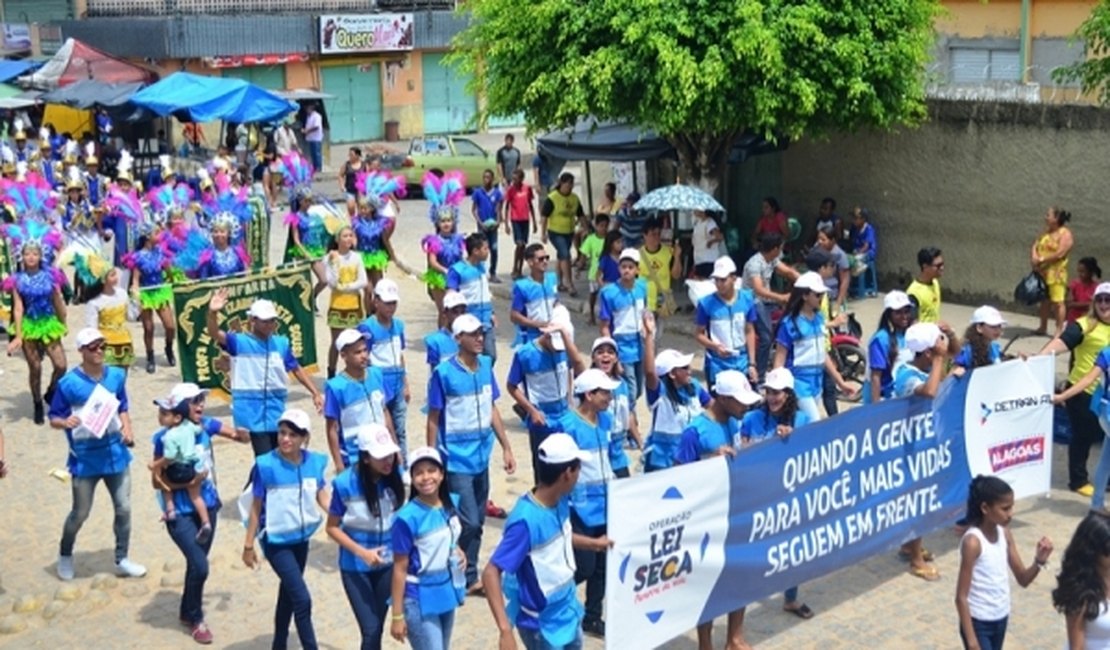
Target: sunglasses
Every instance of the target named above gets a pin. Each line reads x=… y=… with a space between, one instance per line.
x=541 y=259
x=96 y=347
x=1102 y=299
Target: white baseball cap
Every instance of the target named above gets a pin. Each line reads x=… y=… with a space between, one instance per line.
x=629 y=254
x=87 y=336
x=602 y=340
x=594 y=379
x=723 y=267
x=1102 y=289
x=387 y=290
x=987 y=315
x=172 y=403
x=896 y=300
x=376 y=440
x=812 y=281
x=186 y=391
x=347 y=337
x=559 y=448
x=262 y=309
x=453 y=299
x=561 y=316
x=922 y=336
x=733 y=383
x=667 y=360
x=425 y=453
x=466 y=324
x=779 y=379
x=298 y=418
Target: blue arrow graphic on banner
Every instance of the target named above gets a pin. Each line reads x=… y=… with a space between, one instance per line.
x=672 y=493
x=654 y=616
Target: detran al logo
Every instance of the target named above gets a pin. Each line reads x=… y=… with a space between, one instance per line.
x=984 y=413
x=672 y=555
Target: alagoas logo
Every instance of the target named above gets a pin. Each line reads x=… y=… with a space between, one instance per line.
x=1017 y=452
x=674 y=556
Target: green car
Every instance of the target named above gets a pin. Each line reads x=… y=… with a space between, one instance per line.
x=445 y=152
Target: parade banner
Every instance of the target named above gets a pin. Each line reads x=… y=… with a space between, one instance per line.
x=698 y=541
x=345 y=34
x=258 y=234
x=289 y=287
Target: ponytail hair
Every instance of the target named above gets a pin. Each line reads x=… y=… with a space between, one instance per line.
x=980 y=347
x=984 y=491
x=1062 y=216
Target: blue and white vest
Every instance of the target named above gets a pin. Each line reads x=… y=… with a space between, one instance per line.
x=361 y=403
x=259 y=382
x=359 y=523
x=466 y=422
x=435 y=538
x=292 y=515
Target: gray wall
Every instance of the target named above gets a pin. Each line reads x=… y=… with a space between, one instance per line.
x=975 y=180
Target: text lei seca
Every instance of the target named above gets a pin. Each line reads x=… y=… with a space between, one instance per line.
x=844 y=492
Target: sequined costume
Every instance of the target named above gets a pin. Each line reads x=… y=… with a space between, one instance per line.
x=36 y=290
x=152 y=264
x=371 y=247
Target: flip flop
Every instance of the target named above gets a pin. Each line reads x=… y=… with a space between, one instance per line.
x=927 y=573
x=562 y=288
x=801 y=611
x=926 y=555
x=573 y=293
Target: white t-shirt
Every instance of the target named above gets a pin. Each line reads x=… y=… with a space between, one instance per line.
x=988 y=599
x=314 y=121
x=703 y=252
x=1098 y=630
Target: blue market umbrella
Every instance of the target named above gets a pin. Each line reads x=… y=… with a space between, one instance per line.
x=678 y=197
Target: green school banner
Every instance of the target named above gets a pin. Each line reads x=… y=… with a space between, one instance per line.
x=258 y=234
x=290 y=289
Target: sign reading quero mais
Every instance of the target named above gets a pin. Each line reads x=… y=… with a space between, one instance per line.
x=700 y=540
x=343 y=34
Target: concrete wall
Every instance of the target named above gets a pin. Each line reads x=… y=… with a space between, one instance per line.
x=975 y=181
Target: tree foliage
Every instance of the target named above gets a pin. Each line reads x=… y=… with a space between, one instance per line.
x=700 y=72
x=1093 y=74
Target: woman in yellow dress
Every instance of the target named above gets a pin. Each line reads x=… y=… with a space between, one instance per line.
x=1049 y=259
x=106 y=310
x=346 y=276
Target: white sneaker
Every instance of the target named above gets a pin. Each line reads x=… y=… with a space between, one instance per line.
x=65 y=567
x=129 y=569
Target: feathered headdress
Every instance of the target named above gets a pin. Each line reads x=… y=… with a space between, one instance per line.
x=71 y=150
x=168 y=198
x=232 y=209
x=166 y=163
x=91 y=268
x=74 y=179
x=44 y=138
x=17 y=126
x=90 y=154
x=31 y=233
x=126 y=204
x=123 y=167
x=377 y=186
x=298 y=173
x=29 y=194
x=444 y=194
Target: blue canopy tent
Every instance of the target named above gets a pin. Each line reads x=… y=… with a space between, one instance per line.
x=196 y=98
x=10 y=69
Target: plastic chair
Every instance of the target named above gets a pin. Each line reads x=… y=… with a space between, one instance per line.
x=865 y=284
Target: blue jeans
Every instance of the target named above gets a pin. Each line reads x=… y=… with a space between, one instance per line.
x=489 y=343
x=520 y=232
x=763 y=337
x=1102 y=471
x=590 y=568
x=119 y=487
x=294 y=601
x=183 y=532
x=473 y=492
x=533 y=640
x=562 y=244
x=990 y=634
x=398 y=410
x=368 y=593
x=790 y=595
x=633 y=376
x=428 y=632
x=315 y=154
x=811 y=407
x=491 y=237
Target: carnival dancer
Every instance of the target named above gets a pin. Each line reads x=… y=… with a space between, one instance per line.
x=444 y=247
x=311 y=225
x=106 y=309
x=38 y=310
x=372 y=226
x=347 y=279
x=150 y=283
x=223 y=258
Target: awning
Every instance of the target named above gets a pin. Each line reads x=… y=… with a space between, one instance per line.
x=195 y=98
x=10 y=69
x=90 y=93
x=593 y=140
x=12 y=98
x=302 y=94
x=76 y=61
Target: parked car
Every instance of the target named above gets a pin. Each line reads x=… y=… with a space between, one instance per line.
x=444 y=152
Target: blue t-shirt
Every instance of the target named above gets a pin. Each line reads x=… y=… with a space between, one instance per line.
x=348 y=503
x=486 y=202
x=464 y=401
x=543 y=376
x=472 y=281
x=589 y=496
x=669 y=419
x=354 y=404
x=623 y=309
x=181 y=501
x=89 y=455
x=440 y=346
x=728 y=324
x=537 y=559
x=907 y=377
x=703 y=437
x=804 y=340
x=878 y=358
x=386 y=345
x=963 y=358
x=534 y=301
x=610 y=269
x=1100 y=400
x=761 y=423
x=259 y=379
x=428 y=536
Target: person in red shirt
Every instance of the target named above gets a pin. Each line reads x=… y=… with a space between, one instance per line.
x=518 y=211
x=1082 y=289
x=772 y=219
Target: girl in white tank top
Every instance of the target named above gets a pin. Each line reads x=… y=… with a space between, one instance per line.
x=986 y=551
x=1082 y=590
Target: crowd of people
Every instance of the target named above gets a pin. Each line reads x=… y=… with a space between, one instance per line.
x=408 y=561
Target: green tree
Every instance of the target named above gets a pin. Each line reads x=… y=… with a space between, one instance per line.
x=701 y=72
x=1093 y=74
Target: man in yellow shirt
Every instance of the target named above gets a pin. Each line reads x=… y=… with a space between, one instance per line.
x=925 y=288
x=561 y=211
x=658 y=265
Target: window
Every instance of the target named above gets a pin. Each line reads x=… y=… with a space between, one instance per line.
x=978 y=65
x=465 y=147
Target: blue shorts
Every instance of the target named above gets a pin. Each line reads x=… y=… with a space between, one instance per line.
x=562 y=244
x=520 y=232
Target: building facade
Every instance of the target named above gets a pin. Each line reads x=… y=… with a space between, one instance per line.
x=380 y=62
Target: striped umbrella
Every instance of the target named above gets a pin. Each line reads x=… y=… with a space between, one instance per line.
x=678 y=197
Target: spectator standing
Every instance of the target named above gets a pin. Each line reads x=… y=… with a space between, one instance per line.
x=485 y=206
x=518 y=212
x=707 y=242
x=925 y=288
x=314 y=137
x=561 y=211
x=508 y=159
x=285 y=140
x=1049 y=259
x=542 y=178
x=1082 y=289
x=758 y=271
x=659 y=264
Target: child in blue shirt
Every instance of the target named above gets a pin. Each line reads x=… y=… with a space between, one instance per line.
x=981 y=346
